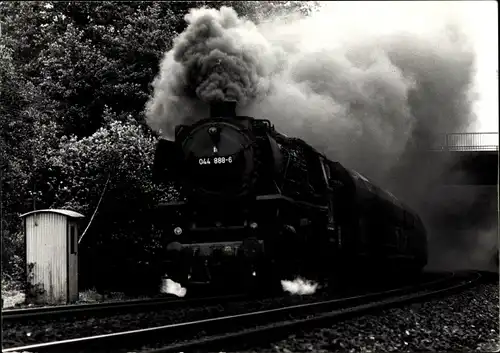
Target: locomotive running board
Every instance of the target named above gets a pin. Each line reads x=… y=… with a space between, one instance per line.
x=270 y=197
x=290 y=200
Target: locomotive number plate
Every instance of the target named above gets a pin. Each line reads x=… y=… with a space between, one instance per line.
x=215 y=160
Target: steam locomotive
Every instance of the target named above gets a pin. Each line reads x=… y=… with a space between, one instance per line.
x=259 y=206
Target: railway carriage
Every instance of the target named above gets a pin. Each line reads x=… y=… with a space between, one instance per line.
x=260 y=206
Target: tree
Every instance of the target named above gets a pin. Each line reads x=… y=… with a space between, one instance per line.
x=114 y=164
x=85 y=55
x=89 y=55
x=26 y=134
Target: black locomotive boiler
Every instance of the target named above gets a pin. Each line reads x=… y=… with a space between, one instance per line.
x=260 y=206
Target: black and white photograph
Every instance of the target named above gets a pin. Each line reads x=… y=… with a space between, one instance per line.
x=249 y=176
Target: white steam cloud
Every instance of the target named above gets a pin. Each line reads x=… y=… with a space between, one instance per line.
x=299 y=286
x=171 y=287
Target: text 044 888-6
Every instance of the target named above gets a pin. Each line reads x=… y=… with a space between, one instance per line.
x=215 y=160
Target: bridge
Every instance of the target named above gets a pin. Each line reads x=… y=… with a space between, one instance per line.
x=464 y=216
x=466 y=141
x=474 y=154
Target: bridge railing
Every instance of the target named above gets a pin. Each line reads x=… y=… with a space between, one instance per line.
x=466 y=141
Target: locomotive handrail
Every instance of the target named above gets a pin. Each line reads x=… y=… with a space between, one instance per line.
x=290 y=200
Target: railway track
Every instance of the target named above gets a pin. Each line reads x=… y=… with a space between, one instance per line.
x=103 y=309
x=215 y=332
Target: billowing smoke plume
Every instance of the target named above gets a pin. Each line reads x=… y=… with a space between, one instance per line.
x=218 y=61
x=361 y=94
x=218 y=56
x=368 y=83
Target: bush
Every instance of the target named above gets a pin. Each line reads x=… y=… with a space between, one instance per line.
x=115 y=163
x=13 y=260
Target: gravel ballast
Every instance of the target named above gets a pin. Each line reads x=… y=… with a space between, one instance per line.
x=18 y=334
x=465 y=321
x=40 y=331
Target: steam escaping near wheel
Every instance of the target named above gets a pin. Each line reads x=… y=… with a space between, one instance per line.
x=299 y=286
x=170 y=287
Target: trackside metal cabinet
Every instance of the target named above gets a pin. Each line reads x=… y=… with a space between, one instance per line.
x=51 y=238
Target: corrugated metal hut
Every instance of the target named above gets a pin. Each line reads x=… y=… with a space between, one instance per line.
x=51 y=238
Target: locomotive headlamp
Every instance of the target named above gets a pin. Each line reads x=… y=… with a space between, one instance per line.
x=177 y=230
x=213 y=130
x=253 y=225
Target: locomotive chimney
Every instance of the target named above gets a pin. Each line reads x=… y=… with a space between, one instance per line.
x=223 y=109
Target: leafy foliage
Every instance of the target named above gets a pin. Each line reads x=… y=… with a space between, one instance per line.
x=114 y=163
x=118 y=151
x=26 y=133
x=92 y=55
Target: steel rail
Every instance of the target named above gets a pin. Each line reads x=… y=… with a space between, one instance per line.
x=262 y=332
x=54 y=312
x=260 y=318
